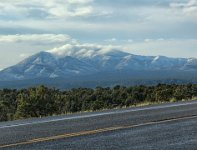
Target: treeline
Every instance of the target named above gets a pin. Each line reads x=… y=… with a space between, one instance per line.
x=42 y=101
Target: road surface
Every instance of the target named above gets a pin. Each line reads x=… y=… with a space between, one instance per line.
x=165 y=126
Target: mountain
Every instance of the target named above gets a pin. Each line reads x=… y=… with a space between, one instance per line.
x=85 y=63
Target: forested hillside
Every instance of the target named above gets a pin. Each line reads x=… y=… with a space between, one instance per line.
x=42 y=101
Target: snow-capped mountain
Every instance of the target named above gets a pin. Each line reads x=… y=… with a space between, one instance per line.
x=85 y=60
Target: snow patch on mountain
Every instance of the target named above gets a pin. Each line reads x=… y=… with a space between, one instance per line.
x=86 y=59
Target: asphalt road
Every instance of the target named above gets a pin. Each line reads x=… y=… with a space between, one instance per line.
x=165 y=126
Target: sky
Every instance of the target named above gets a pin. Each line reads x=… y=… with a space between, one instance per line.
x=143 y=27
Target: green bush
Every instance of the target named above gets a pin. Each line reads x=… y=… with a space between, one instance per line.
x=42 y=101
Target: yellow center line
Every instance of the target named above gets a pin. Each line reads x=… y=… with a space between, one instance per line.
x=67 y=135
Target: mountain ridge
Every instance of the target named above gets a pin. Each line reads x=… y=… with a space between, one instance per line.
x=103 y=61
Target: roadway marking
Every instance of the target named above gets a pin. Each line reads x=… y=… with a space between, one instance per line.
x=83 y=133
x=99 y=114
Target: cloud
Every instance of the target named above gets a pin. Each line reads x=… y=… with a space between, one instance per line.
x=23 y=55
x=31 y=26
x=153 y=40
x=82 y=11
x=41 y=39
x=167 y=47
x=188 y=7
x=23 y=9
x=135 y=3
x=80 y=1
x=130 y=40
x=186 y=4
x=116 y=41
x=98 y=19
x=15 y=48
x=111 y=40
x=82 y=50
x=147 y=40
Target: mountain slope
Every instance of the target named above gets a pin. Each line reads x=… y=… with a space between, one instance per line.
x=84 y=63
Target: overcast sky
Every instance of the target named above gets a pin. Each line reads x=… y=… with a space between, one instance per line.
x=144 y=27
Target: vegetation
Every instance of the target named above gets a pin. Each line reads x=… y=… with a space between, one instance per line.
x=42 y=101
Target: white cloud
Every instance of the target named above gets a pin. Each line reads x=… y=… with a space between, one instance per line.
x=79 y=1
x=52 y=9
x=116 y=41
x=111 y=40
x=166 y=47
x=23 y=55
x=82 y=50
x=18 y=47
x=15 y=48
x=130 y=41
x=94 y=21
x=41 y=39
x=189 y=3
x=82 y=11
x=154 y=40
x=97 y=18
x=188 y=8
x=20 y=9
x=147 y=40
